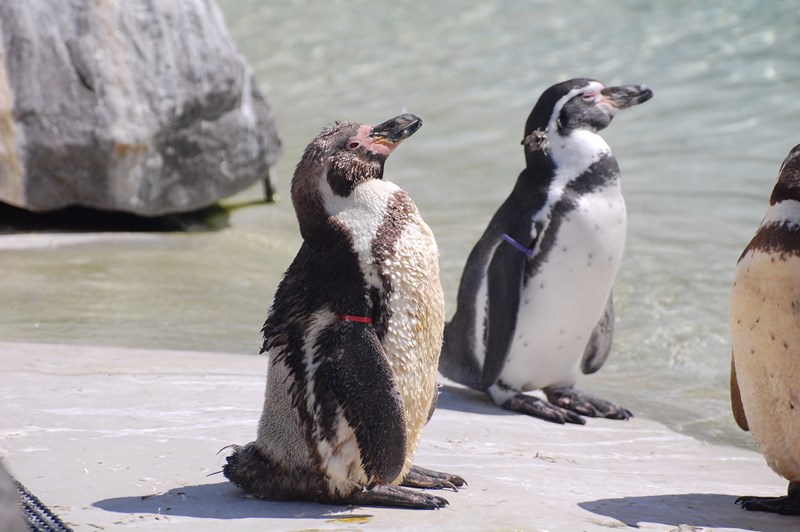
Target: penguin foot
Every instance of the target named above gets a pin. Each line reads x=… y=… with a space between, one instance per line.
x=396 y=496
x=787 y=505
x=419 y=477
x=250 y=469
x=533 y=406
x=585 y=404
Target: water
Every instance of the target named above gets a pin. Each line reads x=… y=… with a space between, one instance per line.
x=698 y=163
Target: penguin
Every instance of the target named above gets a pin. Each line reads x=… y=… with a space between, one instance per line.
x=534 y=303
x=353 y=336
x=765 y=333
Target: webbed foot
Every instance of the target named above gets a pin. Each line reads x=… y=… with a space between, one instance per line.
x=533 y=406
x=584 y=403
x=419 y=477
x=787 y=505
x=396 y=496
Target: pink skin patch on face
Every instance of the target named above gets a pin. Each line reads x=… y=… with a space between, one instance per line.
x=362 y=138
x=609 y=105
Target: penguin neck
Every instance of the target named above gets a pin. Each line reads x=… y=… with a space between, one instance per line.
x=787 y=188
x=563 y=158
x=329 y=215
x=539 y=170
x=575 y=152
x=784 y=203
x=360 y=214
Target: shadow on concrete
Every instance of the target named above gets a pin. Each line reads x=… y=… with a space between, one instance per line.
x=706 y=510
x=223 y=500
x=463 y=399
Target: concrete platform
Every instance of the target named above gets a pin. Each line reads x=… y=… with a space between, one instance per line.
x=114 y=438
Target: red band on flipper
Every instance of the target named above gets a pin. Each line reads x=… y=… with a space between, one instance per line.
x=359 y=319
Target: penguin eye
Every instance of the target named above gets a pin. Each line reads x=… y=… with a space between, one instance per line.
x=353 y=144
x=588 y=97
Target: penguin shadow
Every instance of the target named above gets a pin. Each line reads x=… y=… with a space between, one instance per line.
x=462 y=399
x=223 y=500
x=701 y=510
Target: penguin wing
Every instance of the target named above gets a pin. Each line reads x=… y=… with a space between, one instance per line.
x=434 y=402
x=596 y=352
x=504 y=286
x=736 y=400
x=357 y=373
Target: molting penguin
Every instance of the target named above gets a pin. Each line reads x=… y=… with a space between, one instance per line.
x=765 y=329
x=353 y=336
x=534 y=303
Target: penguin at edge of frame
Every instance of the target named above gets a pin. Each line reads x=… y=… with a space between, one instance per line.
x=765 y=333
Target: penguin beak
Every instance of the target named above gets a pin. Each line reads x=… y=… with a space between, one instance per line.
x=625 y=96
x=396 y=130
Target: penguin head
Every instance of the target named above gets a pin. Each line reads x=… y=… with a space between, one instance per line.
x=343 y=156
x=788 y=185
x=578 y=104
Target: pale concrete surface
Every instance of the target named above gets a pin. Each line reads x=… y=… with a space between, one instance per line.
x=112 y=438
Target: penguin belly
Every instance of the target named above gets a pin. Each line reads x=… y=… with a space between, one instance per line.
x=563 y=302
x=387 y=222
x=415 y=327
x=765 y=319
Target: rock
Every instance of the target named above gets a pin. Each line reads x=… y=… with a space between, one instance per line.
x=130 y=105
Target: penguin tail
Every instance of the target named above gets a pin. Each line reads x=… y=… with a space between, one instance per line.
x=248 y=469
x=456 y=361
x=260 y=476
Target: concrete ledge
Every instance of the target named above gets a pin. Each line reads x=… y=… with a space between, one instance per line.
x=111 y=437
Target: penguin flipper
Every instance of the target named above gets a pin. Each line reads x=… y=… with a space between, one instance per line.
x=599 y=345
x=356 y=371
x=504 y=286
x=736 y=400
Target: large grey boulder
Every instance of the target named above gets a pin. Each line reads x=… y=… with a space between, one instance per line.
x=130 y=105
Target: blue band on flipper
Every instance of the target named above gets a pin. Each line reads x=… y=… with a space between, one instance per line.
x=525 y=250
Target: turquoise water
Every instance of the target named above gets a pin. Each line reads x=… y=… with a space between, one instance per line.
x=698 y=163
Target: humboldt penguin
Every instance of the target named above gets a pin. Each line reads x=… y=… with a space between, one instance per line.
x=765 y=329
x=353 y=336
x=534 y=303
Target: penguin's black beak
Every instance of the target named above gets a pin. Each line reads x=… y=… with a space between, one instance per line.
x=395 y=130
x=626 y=96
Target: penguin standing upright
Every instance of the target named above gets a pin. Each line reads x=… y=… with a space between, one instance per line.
x=765 y=329
x=534 y=303
x=353 y=336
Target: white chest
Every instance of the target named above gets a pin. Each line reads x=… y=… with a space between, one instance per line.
x=561 y=305
x=765 y=331
x=415 y=301
x=362 y=214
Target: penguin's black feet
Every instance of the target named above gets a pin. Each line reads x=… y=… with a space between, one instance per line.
x=396 y=496
x=585 y=404
x=533 y=406
x=419 y=477
x=786 y=505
